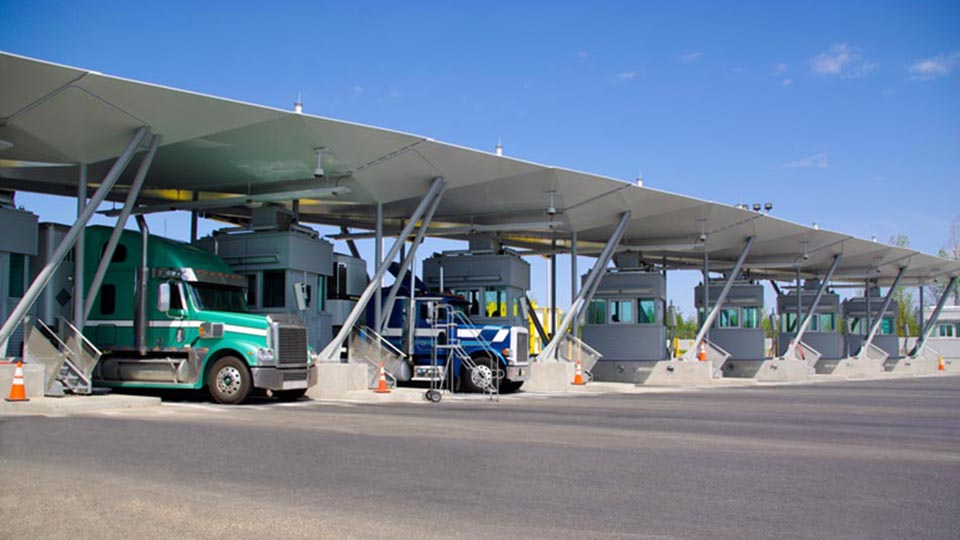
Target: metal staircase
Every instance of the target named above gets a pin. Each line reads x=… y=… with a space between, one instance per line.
x=446 y=323
x=371 y=349
x=68 y=358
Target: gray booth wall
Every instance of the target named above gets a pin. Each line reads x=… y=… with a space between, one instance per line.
x=829 y=344
x=478 y=276
x=301 y=258
x=17 y=244
x=629 y=349
x=857 y=308
x=742 y=343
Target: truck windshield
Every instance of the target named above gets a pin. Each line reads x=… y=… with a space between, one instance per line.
x=219 y=297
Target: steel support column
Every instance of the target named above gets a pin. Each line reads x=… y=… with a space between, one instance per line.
x=140 y=321
x=378 y=257
x=408 y=260
x=583 y=298
x=931 y=323
x=802 y=328
x=194 y=214
x=883 y=310
x=128 y=205
x=331 y=352
x=573 y=265
x=45 y=274
x=691 y=354
x=553 y=287
x=78 y=251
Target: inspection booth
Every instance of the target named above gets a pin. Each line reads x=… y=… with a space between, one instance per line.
x=491 y=279
x=287 y=267
x=945 y=337
x=858 y=318
x=736 y=330
x=344 y=287
x=822 y=334
x=625 y=323
x=18 y=242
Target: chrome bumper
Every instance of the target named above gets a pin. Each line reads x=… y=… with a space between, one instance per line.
x=518 y=373
x=271 y=378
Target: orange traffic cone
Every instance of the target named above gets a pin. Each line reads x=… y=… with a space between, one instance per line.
x=578 y=374
x=940 y=366
x=702 y=353
x=382 y=387
x=17 y=390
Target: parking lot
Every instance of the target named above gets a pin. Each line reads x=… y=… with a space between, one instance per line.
x=874 y=459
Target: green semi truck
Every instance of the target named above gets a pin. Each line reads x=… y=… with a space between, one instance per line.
x=178 y=319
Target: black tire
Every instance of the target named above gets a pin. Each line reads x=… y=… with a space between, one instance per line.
x=433 y=396
x=289 y=395
x=229 y=381
x=487 y=367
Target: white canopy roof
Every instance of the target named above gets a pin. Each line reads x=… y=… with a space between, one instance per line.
x=54 y=114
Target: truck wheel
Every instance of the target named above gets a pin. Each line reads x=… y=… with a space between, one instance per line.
x=289 y=395
x=229 y=381
x=476 y=380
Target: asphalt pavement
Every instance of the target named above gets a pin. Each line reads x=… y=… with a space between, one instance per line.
x=871 y=459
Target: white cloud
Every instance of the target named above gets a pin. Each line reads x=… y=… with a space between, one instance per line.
x=844 y=61
x=583 y=55
x=819 y=161
x=780 y=68
x=786 y=82
x=690 y=57
x=357 y=89
x=627 y=75
x=926 y=69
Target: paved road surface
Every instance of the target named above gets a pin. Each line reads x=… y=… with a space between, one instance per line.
x=840 y=460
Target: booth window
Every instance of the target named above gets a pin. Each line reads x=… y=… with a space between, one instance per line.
x=828 y=322
x=472 y=296
x=788 y=322
x=338 y=289
x=945 y=330
x=647 y=314
x=814 y=325
x=495 y=302
x=597 y=311
x=16 y=275
x=273 y=288
x=729 y=318
x=621 y=311
x=251 y=289
x=886 y=327
x=856 y=325
x=751 y=317
x=321 y=293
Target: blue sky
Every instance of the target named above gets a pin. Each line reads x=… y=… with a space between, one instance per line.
x=842 y=113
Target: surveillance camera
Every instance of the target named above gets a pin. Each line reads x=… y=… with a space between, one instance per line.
x=552 y=211
x=318 y=173
x=703 y=237
x=806 y=256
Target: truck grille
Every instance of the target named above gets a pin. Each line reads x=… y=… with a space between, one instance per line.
x=291 y=345
x=523 y=347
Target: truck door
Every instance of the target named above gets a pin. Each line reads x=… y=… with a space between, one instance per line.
x=169 y=331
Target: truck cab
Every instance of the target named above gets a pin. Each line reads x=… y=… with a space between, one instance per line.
x=483 y=355
x=178 y=318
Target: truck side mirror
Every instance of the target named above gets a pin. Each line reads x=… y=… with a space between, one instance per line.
x=163 y=298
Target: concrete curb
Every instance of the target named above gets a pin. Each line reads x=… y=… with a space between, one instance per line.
x=77 y=404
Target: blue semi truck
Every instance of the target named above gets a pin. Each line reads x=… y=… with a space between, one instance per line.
x=443 y=344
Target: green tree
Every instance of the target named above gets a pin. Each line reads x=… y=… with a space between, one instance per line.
x=907 y=319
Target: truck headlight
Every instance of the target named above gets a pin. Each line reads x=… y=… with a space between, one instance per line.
x=264 y=355
x=506 y=353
